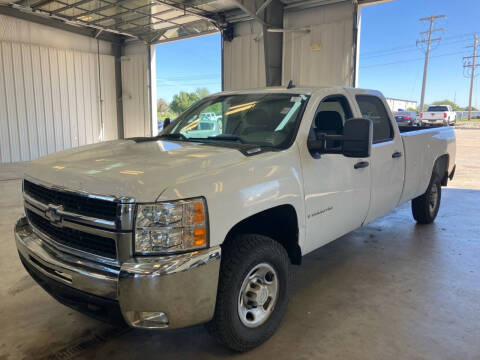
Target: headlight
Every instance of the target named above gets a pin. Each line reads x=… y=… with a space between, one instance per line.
x=171 y=227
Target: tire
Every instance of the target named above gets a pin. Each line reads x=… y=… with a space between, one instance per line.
x=240 y=258
x=423 y=210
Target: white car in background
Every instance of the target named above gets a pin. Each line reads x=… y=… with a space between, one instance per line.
x=439 y=115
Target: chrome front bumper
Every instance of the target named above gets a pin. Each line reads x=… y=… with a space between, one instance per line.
x=152 y=292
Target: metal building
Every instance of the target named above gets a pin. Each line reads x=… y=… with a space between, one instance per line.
x=75 y=72
x=399 y=104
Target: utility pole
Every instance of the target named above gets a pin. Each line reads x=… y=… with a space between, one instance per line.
x=470 y=62
x=428 y=41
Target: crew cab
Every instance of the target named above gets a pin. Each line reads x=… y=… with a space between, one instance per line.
x=439 y=115
x=187 y=228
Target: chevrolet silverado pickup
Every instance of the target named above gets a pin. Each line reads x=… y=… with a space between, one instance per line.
x=191 y=227
x=439 y=115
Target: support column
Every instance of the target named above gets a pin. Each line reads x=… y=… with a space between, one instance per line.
x=273 y=43
x=117 y=49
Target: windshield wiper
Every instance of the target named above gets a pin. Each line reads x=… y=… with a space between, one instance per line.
x=226 y=138
x=179 y=136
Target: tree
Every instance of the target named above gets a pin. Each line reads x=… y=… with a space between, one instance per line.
x=161 y=105
x=454 y=106
x=182 y=101
x=412 y=109
x=202 y=92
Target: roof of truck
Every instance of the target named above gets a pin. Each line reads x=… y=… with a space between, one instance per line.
x=307 y=90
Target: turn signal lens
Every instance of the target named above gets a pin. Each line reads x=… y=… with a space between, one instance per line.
x=199 y=236
x=198 y=212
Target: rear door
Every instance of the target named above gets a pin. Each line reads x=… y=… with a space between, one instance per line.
x=387 y=158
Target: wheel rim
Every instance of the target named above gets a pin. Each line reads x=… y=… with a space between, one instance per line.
x=258 y=295
x=433 y=198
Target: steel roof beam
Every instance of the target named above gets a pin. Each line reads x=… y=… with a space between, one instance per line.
x=96 y=11
x=41 y=3
x=74 y=5
x=119 y=15
x=59 y=24
x=202 y=14
x=249 y=8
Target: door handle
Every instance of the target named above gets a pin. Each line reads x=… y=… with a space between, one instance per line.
x=361 y=164
x=396 y=154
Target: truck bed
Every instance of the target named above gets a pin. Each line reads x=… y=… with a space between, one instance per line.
x=404 y=129
x=422 y=147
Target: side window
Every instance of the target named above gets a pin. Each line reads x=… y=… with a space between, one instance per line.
x=330 y=118
x=331 y=115
x=372 y=108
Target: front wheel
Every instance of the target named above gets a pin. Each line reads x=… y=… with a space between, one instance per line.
x=425 y=207
x=252 y=293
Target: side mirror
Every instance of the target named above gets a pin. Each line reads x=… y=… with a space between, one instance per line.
x=357 y=138
x=166 y=122
x=356 y=141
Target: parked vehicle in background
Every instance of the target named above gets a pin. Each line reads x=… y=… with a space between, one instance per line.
x=406 y=118
x=201 y=223
x=439 y=115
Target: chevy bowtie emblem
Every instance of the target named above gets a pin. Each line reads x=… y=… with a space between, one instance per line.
x=52 y=214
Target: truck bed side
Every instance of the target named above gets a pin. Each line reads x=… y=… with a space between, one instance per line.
x=422 y=148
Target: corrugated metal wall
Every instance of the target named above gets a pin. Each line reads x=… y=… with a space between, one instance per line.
x=325 y=55
x=243 y=58
x=50 y=97
x=138 y=112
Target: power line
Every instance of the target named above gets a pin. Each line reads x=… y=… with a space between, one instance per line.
x=428 y=40
x=414 y=46
x=410 y=60
x=394 y=52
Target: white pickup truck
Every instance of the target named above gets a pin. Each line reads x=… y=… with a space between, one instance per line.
x=177 y=230
x=439 y=115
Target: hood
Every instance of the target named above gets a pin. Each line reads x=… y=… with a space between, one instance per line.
x=142 y=170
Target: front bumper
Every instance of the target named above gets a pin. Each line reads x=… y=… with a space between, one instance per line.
x=149 y=292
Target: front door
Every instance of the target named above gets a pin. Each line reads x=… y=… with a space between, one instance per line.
x=337 y=194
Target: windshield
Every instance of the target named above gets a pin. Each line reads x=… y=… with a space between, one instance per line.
x=437 y=108
x=268 y=120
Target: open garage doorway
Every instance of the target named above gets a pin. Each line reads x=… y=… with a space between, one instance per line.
x=186 y=71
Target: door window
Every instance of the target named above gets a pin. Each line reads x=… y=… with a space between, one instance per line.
x=331 y=115
x=372 y=108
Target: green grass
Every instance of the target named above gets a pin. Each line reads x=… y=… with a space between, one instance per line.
x=466 y=121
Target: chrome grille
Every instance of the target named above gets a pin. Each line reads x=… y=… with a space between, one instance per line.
x=90 y=226
x=72 y=202
x=75 y=239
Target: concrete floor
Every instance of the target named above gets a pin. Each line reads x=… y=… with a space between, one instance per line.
x=390 y=290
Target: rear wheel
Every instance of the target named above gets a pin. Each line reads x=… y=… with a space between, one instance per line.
x=253 y=292
x=425 y=207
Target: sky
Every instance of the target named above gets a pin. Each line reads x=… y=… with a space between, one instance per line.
x=390 y=61
x=189 y=64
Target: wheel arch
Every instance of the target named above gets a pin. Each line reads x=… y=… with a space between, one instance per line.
x=279 y=223
x=440 y=167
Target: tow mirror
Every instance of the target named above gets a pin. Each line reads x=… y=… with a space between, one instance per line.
x=166 y=122
x=356 y=141
x=357 y=138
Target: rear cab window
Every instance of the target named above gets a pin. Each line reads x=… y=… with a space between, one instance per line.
x=437 y=108
x=373 y=108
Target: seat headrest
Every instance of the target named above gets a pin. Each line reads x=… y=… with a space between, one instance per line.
x=329 y=120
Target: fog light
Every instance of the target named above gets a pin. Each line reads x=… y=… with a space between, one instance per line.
x=148 y=319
